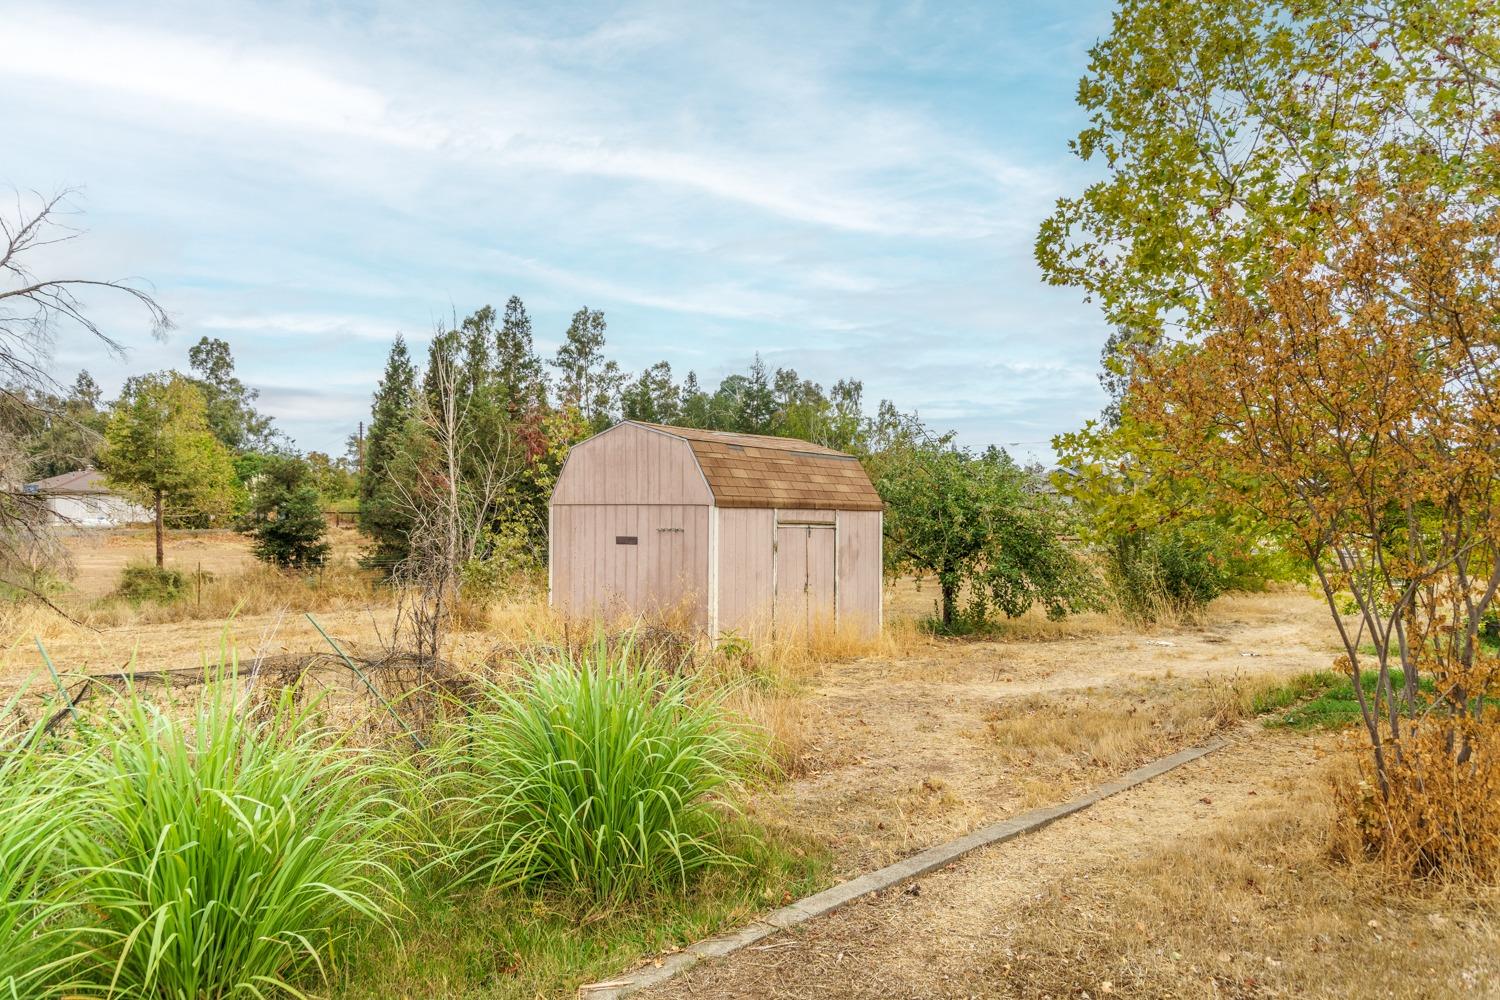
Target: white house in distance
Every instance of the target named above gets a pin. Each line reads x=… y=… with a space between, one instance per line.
x=82 y=499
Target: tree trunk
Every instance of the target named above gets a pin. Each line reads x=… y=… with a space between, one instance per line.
x=159 y=560
x=950 y=595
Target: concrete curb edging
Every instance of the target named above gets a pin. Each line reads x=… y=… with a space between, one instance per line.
x=917 y=865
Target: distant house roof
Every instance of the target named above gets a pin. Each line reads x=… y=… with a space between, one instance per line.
x=80 y=483
x=755 y=470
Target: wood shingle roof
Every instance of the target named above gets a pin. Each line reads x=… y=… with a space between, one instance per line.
x=754 y=470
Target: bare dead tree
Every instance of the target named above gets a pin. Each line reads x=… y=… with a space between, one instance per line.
x=33 y=308
x=462 y=464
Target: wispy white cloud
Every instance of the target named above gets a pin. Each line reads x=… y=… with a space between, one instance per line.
x=851 y=190
x=155 y=73
x=298 y=324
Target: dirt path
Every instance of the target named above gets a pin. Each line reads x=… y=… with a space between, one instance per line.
x=903 y=753
x=945 y=935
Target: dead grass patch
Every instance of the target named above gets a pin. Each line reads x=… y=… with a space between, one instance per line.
x=257 y=590
x=1055 y=737
x=1254 y=908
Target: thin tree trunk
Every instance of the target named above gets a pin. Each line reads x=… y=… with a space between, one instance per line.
x=159 y=559
x=950 y=594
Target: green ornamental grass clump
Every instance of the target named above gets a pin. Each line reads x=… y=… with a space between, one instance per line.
x=224 y=856
x=38 y=942
x=601 y=773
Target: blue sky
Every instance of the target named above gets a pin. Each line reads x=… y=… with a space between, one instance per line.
x=849 y=189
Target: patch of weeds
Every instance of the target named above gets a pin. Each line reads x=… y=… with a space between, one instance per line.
x=143 y=582
x=1322 y=700
x=963 y=626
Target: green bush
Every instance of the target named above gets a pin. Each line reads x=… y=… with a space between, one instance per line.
x=286 y=517
x=143 y=582
x=1164 y=571
x=599 y=773
x=225 y=857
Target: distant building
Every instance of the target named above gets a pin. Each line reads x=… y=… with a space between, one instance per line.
x=81 y=498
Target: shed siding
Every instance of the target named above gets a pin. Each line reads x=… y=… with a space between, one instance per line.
x=716 y=562
x=629 y=464
x=745 y=563
x=666 y=569
x=859 y=570
x=804 y=516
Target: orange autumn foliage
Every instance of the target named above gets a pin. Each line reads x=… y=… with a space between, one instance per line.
x=1354 y=398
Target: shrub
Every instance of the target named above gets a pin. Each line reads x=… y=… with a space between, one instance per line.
x=1164 y=572
x=1439 y=813
x=142 y=582
x=599 y=772
x=225 y=857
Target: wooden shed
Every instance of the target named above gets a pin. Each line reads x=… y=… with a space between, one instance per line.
x=741 y=531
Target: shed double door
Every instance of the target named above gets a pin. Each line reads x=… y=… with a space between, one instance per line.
x=805 y=573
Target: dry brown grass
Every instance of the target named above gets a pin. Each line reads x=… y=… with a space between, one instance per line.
x=1056 y=737
x=256 y=590
x=1255 y=908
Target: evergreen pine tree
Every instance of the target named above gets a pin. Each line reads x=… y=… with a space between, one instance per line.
x=286 y=515
x=758 y=402
x=522 y=380
x=381 y=516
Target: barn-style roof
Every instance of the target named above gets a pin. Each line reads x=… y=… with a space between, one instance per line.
x=756 y=470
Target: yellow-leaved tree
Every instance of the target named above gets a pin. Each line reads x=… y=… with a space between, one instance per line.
x=159 y=449
x=1353 y=397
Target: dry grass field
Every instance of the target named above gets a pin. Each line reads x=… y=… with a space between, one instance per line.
x=1212 y=881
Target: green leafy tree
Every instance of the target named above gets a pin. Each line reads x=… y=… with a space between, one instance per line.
x=1166 y=544
x=334 y=478
x=587 y=381
x=230 y=404
x=1227 y=128
x=382 y=516
x=726 y=408
x=62 y=435
x=652 y=396
x=1226 y=124
x=286 y=515
x=980 y=524
x=845 y=426
x=160 y=450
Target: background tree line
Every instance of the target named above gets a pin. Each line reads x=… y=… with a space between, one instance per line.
x=991 y=533
x=190 y=447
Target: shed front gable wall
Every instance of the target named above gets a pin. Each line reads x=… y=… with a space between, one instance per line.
x=630 y=464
